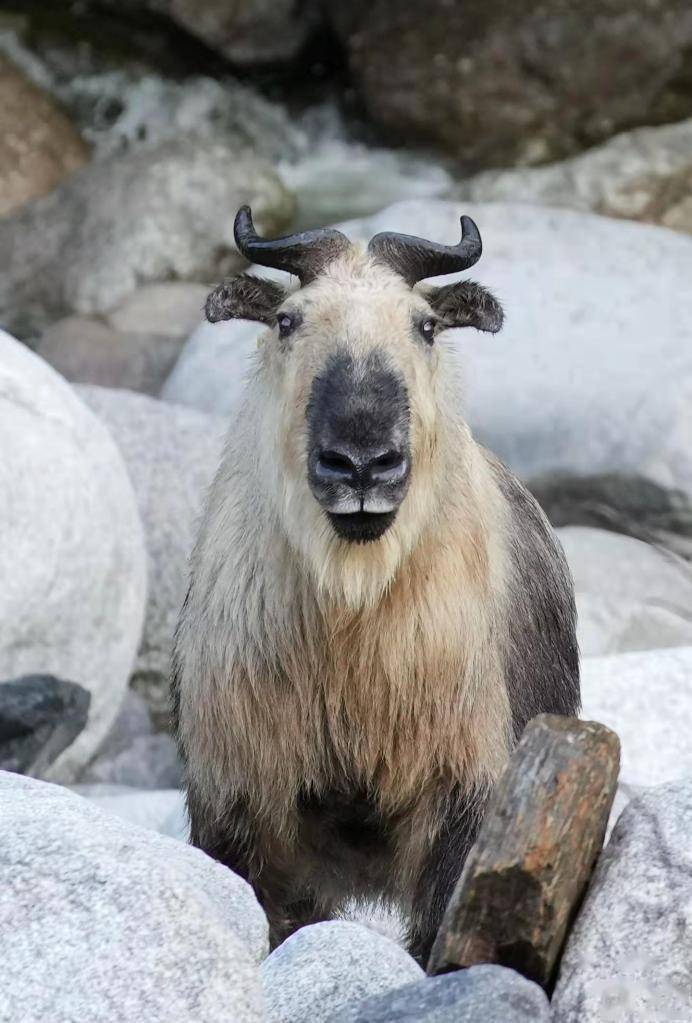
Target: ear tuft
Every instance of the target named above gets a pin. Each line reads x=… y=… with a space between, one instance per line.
x=244 y=298
x=466 y=304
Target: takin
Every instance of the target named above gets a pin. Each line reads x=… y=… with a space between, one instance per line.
x=376 y=605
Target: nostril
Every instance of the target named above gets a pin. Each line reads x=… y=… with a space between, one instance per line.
x=336 y=461
x=389 y=467
x=387 y=460
x=334 y=466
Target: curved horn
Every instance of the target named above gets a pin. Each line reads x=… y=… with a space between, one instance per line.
x=305 y=254
x=416 y=258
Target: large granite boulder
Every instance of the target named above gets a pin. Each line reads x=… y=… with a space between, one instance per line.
x=627 y=959
x=72 y=558
x=646 y=698
x=592 y=372
x=497 y=83
x=109 y=921
x=153 y=214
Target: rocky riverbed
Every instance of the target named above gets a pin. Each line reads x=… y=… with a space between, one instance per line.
x=120 y=170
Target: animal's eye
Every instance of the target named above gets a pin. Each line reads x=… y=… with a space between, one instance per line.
x=427 y=329
x=286 y=324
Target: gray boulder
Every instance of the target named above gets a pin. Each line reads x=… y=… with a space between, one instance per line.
x=171 y=454
x=647 y=699
x=630 y=595
x=228 y=345
x=644 y=174
x=124 y=923
x=72 y=558
x=627 y=958
x=491 y=994
x=39 y=717
x=154 y=213
x=324 y=967
x=144 y=762
x=169 y=309
x=592 y=372
x=87 y=351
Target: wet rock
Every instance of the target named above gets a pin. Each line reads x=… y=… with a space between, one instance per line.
x=492 y=994
x=87 y=351
x=39 y=146
x=248 y=33
x=72 y=559
x=39 y=717
x=325 y=967
x=118 y=916
x=626 y=959
x=152 y=214
x=171 y=455
x=497 y=85
x=644 y=174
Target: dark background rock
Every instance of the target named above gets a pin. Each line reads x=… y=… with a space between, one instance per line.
x=39 y=717
x=496 y=83
x=620 y=502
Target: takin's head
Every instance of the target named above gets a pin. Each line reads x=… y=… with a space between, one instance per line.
x=353 y=378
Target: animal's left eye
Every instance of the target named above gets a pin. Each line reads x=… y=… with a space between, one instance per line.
x=286 y=324
x=427 y=329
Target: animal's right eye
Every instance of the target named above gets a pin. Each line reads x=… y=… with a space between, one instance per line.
x=286 y=324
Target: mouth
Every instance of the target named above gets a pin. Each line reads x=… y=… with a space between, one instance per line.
x=361 y=526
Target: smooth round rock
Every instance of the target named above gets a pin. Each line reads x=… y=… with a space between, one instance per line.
x=72 y=558
x=326 y=966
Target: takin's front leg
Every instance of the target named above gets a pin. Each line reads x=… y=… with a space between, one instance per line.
x=440 y=871
x=237 y=842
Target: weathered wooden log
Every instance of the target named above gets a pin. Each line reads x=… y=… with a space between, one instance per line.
x=526 y=874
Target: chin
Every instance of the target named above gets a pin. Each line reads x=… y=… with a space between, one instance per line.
x=361 y=527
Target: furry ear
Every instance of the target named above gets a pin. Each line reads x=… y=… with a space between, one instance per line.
x=466 y=304
x=245 y=298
